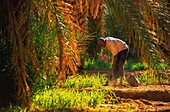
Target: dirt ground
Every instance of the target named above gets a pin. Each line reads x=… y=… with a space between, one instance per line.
x=145 y=97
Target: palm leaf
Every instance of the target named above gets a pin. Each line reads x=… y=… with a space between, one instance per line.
x=67 y=33
x=142 y=27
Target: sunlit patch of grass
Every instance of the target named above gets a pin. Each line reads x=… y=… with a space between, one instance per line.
x=83 y=91
x=64 y=98
x=163 y=66
x=84 y=81
x=143 y=78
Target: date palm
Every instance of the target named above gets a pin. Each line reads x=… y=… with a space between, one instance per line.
x=14 y=35
x=147 y=26
x=79 y=12
x=145 y=22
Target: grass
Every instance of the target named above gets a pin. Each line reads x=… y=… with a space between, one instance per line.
x=145 y=78
x=96 y=64
x=84 y=81
x=14 y=109
x=80 y=92
x=93 y=64
x=134 y=66
x=76 y=93
x=64 y=98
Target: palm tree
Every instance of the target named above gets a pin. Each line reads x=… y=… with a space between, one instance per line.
x=14 y=31
x=78 y=14
x=146 y=24
x=60 y=54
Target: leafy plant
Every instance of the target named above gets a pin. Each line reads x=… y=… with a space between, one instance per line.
x=94 y=64
x=163 y=66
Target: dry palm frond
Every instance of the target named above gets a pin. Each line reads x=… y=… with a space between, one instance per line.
x=69 y=53
x=96 y=16
x=44 y=38
x=143 y=26
x=61 y=17
x=161 y=10
x=70 y=19
x=95 y=25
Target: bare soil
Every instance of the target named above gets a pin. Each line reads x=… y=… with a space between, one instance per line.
x=145 y=97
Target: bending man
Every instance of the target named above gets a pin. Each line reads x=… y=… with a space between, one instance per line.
x=119 y=50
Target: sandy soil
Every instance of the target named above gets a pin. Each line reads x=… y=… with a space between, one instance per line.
x=145 y=97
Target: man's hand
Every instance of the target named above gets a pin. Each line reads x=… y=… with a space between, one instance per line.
x=103 y=57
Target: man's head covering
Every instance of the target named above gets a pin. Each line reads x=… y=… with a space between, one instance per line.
x=101 y=38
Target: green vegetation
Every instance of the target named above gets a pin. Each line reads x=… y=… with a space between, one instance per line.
x=96 y=64
x=134 y=66
x=42 y=41
x=96 y=81
x=81 y=92
x=78 y=92
x=63 y=98
x=144 y=78
x=14 y=109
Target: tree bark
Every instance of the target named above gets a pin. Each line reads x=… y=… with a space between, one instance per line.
x=14 y=23
x=62 y=64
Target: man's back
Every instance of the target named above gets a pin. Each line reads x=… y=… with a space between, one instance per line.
x=115 y=45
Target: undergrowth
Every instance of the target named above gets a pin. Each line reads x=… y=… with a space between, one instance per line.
x=152 y=78
x=78 y=92
x=68 y=98
x=96 y=64
x=84 y=81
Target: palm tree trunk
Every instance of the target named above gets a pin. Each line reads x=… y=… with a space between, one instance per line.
x=16 y=27
x=62 y=63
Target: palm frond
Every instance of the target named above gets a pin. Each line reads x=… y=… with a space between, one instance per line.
x=95 y=25
x=43 y=33
x=142 y=28
x=67 y=37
